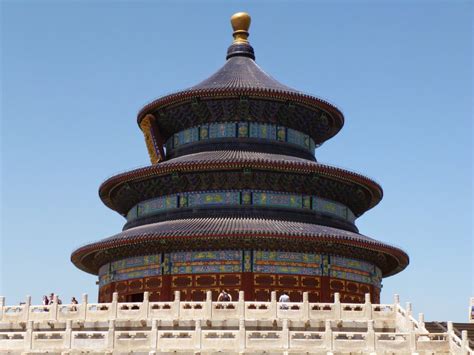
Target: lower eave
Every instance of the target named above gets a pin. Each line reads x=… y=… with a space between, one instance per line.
x=238 y=233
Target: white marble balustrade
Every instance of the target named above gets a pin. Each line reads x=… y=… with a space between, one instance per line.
x=284 y=338
x=230 y=327
x=207 y=309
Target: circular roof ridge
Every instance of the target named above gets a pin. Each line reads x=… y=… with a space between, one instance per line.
x=214 y=228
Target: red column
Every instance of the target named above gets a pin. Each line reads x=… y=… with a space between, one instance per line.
x=248 y=286
x=166 y=293
x=325 y=289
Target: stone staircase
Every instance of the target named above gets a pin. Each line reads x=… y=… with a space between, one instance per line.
x=458 y=328
x=469 y=328
x=436 y=327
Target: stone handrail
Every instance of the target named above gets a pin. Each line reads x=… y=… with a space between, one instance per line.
x=458 y=345
x=156 y=338
x=405 y=318
x=208 y=309
x=226 y=326
x=176 y=310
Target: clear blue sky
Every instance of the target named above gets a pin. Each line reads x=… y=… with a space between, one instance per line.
x=74 y=75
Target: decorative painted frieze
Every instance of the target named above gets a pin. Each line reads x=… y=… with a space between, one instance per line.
x=236 y=261
x=241 y=130
x=238 y=198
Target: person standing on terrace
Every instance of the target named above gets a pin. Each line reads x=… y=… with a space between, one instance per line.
x=74 y=302
x=284 y=298
x=224 y=296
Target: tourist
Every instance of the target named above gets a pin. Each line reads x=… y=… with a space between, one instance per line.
x=74 y=302
x=45 y=303
x=224 y=296
x=51 y=298
x=284 y=298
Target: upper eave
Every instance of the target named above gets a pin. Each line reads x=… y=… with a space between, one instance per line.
x=242 y=76
x=308 y=101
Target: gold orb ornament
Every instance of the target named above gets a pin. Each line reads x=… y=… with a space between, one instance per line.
x=240 y=24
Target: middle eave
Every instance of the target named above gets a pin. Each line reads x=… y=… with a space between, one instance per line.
x=237 y=160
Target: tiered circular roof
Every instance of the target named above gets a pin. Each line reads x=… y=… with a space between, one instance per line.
x=240 y=91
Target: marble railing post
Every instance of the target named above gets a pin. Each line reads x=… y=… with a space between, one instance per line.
x=68 y=334
x=408 y=313
x=450 y=337
x=54 y=308
x=368 y=306
x=305 y=307
x=29 y=336
x=421 y=322
x=114 y=306
x=176 y=303
x=370 y=337
x=145 y=305
x=154 y=335
x=464 y=342
x=328 y=343
x=412 y=335
x=242 y=335
x=111 y=335
x=396 y=300
x=197 y=334
x=83 y=307
x=337 y=305
x=450 y=326
x=26 y=308
x=273 y=302
x=452 y=345
x=208 y=306
x=241 y=305
x=285 y=334
x=2 y=304
x=399 y=317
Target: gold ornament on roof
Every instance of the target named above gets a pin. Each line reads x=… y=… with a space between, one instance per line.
x=240 y=23
x=147 y=129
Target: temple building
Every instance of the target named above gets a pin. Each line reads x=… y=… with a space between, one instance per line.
x=235 y=198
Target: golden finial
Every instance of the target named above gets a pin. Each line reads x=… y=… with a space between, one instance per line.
x=240 y=23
